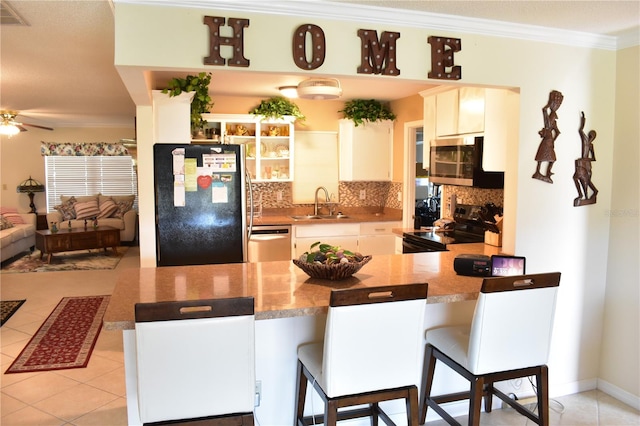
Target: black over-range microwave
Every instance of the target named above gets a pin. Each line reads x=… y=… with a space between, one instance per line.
x=458 y=161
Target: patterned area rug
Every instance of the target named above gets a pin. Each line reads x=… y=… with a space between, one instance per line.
x=8 y=308
x=67 y=337
x=81 y=260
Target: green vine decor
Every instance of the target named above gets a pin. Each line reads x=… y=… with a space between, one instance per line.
x=201 y=102
x=277 y=107
x=361 y=110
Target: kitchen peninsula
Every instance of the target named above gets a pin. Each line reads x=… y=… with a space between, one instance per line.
x=282 y=290
x=290 y=309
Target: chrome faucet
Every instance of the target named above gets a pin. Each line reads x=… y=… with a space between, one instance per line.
x=326 y=196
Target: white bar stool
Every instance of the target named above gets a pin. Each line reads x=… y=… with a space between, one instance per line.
x=196 y=361
x=371 y=353
x=509 y=337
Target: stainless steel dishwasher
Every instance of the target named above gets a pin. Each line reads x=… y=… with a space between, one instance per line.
x=270 y=243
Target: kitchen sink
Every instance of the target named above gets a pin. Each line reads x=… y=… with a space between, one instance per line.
x=312 y=216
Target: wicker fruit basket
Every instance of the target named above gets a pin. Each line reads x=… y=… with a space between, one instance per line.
x=334 y=272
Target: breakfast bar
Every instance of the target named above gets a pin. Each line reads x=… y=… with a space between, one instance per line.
x=290 y=308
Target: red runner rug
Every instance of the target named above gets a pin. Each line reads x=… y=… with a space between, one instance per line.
x=67 y=337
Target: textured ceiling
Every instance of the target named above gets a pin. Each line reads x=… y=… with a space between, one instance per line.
x=58 y=71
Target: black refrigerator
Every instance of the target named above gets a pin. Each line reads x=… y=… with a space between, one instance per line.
x=200 y=200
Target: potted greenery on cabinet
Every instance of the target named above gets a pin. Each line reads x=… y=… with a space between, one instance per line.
x=361 y=110
x=201 y=102
x=277 y=107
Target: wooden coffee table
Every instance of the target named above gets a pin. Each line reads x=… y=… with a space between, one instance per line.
x=77 y=239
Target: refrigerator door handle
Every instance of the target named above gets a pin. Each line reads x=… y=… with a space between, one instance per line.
x=250 y=227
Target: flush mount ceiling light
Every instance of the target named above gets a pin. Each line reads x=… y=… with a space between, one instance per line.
x=319 y=88
x=289 y=91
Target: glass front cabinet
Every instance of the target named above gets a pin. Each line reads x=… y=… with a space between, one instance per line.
x=268 y=142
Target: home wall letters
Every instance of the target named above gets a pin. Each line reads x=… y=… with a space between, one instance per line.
x=442 y=50
x=216 y=40
x=377 y=55
x=318 y=47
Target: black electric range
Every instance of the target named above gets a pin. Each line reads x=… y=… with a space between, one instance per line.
x=468 y=228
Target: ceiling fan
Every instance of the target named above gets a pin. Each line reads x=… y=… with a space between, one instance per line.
x=9 y=126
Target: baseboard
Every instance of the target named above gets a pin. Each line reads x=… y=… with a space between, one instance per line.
x=619 y=394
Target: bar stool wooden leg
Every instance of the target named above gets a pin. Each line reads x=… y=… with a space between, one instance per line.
x=488 y=397
x=412 y=406
x=475 y=403
x=301 y=392
x=542 y=382
x=428 y=370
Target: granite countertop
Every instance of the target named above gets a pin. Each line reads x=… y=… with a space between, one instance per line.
x=283 y=290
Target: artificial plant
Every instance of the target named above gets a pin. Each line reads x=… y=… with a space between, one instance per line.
x=201 y=102
x=361 y=110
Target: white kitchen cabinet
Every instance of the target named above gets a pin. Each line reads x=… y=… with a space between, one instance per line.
x=501 y=127
x=377 y=238
x=268 y=143
x=447 y=113
x=344 y=235
x=316 y=163
x=491 y=112
x=366 y=151
x=428 y=128
x=460 y=111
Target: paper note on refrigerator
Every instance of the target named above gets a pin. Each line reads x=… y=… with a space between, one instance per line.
x=190 y=174
x=178 y=161
x=178 y=191
x=219 y=193
x=220 y=162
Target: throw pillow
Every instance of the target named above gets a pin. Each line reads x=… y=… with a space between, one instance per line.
x=12 y=215
x=79 y=198
x=123 y=207
x=107 y=208
x=66 y=208
x=5 y=223
x=86 y=210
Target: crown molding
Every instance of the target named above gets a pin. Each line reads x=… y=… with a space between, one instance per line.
x=396 y=17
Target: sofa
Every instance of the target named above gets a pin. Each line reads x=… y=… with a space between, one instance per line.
x=109 y=210
x=17 y=233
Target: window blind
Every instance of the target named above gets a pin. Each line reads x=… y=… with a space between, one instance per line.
x=89 y=175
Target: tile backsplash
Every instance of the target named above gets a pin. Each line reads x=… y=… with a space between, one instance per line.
x=470 y=195
x=376 y=194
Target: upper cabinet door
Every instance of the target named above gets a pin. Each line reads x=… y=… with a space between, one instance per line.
x=460 y=111
x=366 y=151
x=502 y=125
x=471 y=110
x=447 y=113
x=428 y=129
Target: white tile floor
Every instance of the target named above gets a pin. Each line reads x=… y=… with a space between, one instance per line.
x=96 y=395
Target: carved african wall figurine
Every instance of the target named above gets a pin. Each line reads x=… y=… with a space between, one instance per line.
x=582 y=175
x=549 y=134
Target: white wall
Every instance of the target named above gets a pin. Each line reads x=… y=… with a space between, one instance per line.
x=541 y=223
x=620 y=354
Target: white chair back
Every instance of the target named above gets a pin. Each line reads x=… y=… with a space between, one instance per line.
x=195 y=358
x=512 y=323
x=373 y=339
